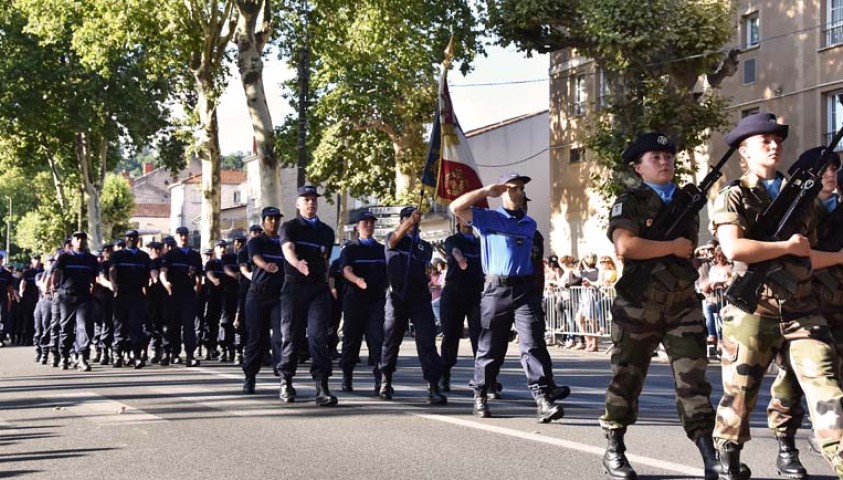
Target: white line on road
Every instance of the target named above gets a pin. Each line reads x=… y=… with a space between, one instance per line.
x=102 y=410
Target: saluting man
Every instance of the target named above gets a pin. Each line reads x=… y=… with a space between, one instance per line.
x=506 y=238
x=305 y=299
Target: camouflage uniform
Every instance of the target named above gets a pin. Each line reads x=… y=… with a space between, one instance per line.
x=672 y=317
x=785 y=412
x=784 y=326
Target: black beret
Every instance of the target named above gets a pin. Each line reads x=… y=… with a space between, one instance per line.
x=513 y=176
x=308 y=190
x=182 y=231
x=270 y=212
x=648 y=142
x=756 y=124
x=810 y=159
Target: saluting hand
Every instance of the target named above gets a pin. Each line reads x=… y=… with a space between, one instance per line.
x=799 y=245
x=682 y=247
x=496 y=190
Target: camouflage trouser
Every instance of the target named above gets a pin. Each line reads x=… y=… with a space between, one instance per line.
x=685 y=346
x=805 y=349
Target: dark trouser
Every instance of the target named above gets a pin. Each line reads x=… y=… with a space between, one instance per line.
x=397 y=316
x=77 y=326
x=241 y=335
x=104 y=321
x=129 y=321
x=363 y=316
x=499 y=307
x=181 y=317
x=305 y=304
x=55 y=323
x=27 y=304
x=454 y=306
x=336 y=317
x=263 y=312
x=213 y=311
x=41 y=318
x=6 y=323
x=229 y=312
x=156 y=315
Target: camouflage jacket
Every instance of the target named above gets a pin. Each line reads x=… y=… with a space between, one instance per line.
x=828 y=282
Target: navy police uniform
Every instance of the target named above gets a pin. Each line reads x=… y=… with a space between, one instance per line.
x=213 y=304
x=182 y=266
x=230 y=291
x=77 y=272
x=6 y=326
x=130 y=269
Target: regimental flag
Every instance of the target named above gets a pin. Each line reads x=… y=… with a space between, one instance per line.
x=450 y=167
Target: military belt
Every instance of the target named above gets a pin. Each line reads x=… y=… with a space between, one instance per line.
x=508 y=280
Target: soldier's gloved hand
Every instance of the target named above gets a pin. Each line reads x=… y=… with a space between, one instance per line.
x=799 y=245
x=682 y=247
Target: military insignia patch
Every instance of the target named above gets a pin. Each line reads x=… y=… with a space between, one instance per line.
x=617 y=209
x=661 y=140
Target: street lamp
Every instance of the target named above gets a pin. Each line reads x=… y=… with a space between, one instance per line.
x=9 y=227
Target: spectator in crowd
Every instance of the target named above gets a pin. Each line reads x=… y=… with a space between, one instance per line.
x=713 y=280
x=565 y=306
x=589 y=302
x=437 y=270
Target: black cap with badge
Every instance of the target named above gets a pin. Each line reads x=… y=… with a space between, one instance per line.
x=182 y=231
x=308 y=190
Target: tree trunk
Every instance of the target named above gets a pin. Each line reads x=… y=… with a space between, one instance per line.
x=209 y=154
x=342 y=215
x=91 y=186
x=403 y=180
x=250 y=44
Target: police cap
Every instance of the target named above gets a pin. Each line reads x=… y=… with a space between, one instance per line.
x=120 y=243
x=168 y=240
x=406 y=212
x=270 y=212
x=220 y=243
x=132 y=233
x=513 y=176
x=80 y=234
x=308 y=190
x=756 y=124
x=182 y=231
x=255 y=228
x=240 y=238
x=154 y=245
x=811 y=160
x=36 y=257
x=647 y=142
x=207 y=251
x=365 y=215
x=107 y=246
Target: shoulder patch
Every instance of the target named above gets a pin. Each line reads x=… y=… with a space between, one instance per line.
x=617 y=210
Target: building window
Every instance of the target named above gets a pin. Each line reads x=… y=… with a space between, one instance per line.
x=603 y=88
x=237 y=198
x=834 y=23
x=749 y=71
x=749 y=111
x=752 y=30
x=579 y=95
x=576 y=155
x=835 y=116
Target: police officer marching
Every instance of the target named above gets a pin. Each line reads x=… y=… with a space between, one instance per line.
x=783 y=322
x=29 y=298
x=245 y=264
x=363 y=265
x=669 y=312
x=72 y=278
x=129 y=274
x=263 y=303
x=460 y=296
x=42 y=313
x=231 y=284
x=6 y=296
x=181 y=276
x=305 y=299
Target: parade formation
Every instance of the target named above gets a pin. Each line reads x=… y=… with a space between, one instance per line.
x=274 y=300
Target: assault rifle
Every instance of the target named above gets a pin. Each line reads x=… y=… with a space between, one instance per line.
x=671 y=223
x=778 y=223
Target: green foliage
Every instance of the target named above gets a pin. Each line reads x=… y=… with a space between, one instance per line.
x=233 y=161
x=117 y=203
x=653 y=54
x=374 y=70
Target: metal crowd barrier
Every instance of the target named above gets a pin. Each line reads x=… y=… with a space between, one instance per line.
x=579 y=311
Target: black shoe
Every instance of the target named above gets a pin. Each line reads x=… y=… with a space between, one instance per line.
x=82 y=365
x=481 y=405
x=156 y=356
x=495 y=392
x=56 y=360
x=224 y=357
x=787 y=461
x=615 y=464
x=98 y=356
x=239 y=359
x=44 y=358
x=446 y=381
x=378 y=380
x=386 y=390
x=546 y=411
x=38 y=357
x=65 y=362
x=288 y=393
x=347 y=384
x=558 y=392
x=165 y=360
x=249 y=385
x=176 y=360
x=323 y=394
x=139 y=363
x=191 y=362
x=106 y=357
x=434 y=396
x=118 y=360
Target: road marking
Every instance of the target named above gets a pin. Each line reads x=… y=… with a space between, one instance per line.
x=102 y=410
x=558 y=442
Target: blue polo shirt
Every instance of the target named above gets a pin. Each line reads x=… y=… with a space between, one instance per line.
x=132 y=266
x=79 y=270
x=367 y=260
x=269 y=248
x=506 y=242
x=183 y=266
x=314 y=241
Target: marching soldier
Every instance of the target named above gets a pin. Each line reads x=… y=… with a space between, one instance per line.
x=667 y=314
x=29 y=298
x=305 y=299
x=129 y=275
x=364 y=268
x=7 y=289
x=215 y=279
x=155 y=302
x=784 y=323
x=42 y=313
x=231 y=284
x=337 y=287
x=204 y=307
x=73 y=278
x=263 y=303
x=104 y=318
x=461 y=296
x=506 y=239
x=245 y=263
x=181 y=276
x=405 y=250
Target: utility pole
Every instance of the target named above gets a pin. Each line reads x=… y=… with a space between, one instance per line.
x=304 y=85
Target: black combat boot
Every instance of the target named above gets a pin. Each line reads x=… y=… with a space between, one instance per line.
x=288 y=393
x=65 y=362
x=546 y=411
x=730 y=463
x=191 y=362
x=56 y=359
x=37 y=357
x=787 y=462
x=481 y=404
x=434 y=395
x=378 y=380
x=558 y=392
x=347 y=381
x=44 y=357
x=139 y=361
x=98 y=356
x=249 y=384
x=82 y=363
x=446 y=381
x=224 y=356
x=386 y=387
x=495 y=391
x=705 y=445
x=106 y=356
x=118 y=358
x=156 y=356
x=165 y=360
x=615 y=464
x=323 y=393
